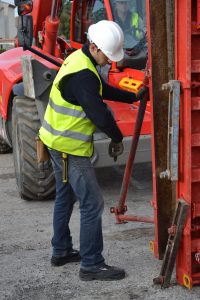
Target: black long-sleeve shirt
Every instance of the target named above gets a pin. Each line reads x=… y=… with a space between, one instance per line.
x=82 y=89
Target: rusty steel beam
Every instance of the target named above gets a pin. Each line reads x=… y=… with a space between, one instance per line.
x=161 y=70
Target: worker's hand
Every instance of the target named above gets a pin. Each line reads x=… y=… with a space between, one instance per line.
x=115 y=149
x=143 y=94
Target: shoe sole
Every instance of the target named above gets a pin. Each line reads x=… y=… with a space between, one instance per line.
x=90 y=277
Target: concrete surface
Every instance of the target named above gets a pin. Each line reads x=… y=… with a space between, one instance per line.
x=25 y=251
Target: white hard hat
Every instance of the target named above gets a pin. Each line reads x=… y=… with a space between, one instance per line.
x=108 y=37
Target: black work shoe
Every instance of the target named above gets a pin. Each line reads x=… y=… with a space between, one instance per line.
x=104 y=272
x=72 y=256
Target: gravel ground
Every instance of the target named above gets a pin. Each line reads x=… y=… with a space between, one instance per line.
x=25 y=250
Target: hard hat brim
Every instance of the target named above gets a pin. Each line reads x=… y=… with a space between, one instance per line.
x=117 y=56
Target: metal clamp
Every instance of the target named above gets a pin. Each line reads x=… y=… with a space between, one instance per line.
x=171 y=172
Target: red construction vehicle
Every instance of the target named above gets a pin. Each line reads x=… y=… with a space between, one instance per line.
x=26 y=75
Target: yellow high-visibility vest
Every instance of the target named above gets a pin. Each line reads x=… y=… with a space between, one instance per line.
x=66 y=127
x=135 y=24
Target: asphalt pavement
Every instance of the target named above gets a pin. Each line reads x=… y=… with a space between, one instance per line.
x=25 y=245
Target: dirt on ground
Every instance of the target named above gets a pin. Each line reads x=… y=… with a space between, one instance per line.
x=25 y=248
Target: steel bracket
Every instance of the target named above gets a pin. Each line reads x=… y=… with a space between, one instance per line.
x=172 y=244
x=171 y=172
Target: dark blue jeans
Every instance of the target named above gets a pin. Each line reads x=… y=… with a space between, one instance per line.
x=82 y=185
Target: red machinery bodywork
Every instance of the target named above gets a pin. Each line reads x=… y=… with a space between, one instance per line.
x=126 y=114
x=11 y=73
x=46 y=21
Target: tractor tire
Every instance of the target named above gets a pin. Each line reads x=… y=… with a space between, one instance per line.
x=35 y=180
x=4 y=147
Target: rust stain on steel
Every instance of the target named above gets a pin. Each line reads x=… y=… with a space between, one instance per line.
x=160 y=75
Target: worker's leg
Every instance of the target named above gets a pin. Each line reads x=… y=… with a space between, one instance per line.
x=83 y=181
x=61 y=241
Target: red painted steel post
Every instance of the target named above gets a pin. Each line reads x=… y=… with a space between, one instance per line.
x=121 y=208
x=135 y=218
x=198 y=14
x=129 y=165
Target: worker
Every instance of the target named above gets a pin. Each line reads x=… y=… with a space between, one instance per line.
x=74 y=110
x=130 y=22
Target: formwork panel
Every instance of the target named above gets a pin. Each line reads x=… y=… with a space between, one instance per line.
x=188 y=186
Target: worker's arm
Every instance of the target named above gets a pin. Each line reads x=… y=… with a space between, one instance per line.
x=83 y=89
x=116 y=94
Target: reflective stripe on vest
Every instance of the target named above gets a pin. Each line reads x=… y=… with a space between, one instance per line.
x=135 y=24
x=67 y=133
x=66 y=127
x=67 y=110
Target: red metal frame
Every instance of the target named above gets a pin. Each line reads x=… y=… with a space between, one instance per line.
x=188 y=187
x=198 y=14
x=39 y=13
x=187 y=71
